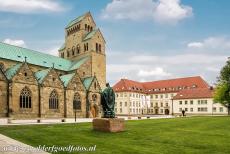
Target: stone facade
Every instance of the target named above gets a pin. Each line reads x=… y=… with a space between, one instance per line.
x=29 y=90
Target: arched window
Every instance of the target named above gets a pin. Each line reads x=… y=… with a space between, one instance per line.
x=77 y=101
x=53 y=100
x=96 y=47
x=78 y=48
x=94 y=97
x=25 y=98
x=88 y=28
x=100 y=47
x=73 y=50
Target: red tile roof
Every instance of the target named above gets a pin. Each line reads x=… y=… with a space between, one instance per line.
x=194 y=93
x=162 y=86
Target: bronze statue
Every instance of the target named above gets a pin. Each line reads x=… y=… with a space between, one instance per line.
x=108 y=102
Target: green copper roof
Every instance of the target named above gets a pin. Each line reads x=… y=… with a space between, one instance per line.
x=87 y=82
x=67 y=78
x=90 y=34
x=40 y=75
x=15 y=53
x=78 y=19
x=77 y=64
x=33 y=57
x=11 y=72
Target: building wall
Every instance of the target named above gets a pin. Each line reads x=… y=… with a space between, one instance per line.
x=198 y=106
x=3 y=95
x=162 y=104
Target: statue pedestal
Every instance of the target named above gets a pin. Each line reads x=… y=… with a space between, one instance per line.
x=109 y=124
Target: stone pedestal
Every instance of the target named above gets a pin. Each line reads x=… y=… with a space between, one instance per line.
x=109 y=124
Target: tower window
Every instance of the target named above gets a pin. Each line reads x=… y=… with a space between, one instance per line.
x=88 y=28
x=73 y=50
x=85 y=26
x=78 y=48
x=99 y=47
x=25 y=98
x=96 y=47
x=25 y=74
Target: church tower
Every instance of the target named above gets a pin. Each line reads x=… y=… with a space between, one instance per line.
x=83 y=39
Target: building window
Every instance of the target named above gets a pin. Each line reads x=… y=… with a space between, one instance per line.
x=156 y=96
x=191 y=102
x=162 y=111
x=161 y=104
x=214 y=109
x=161 y=96
x=77 y=101
x=180 y=102
x=53 y=100
x=99 y=47
x=221 y=109
x=120 y=103
x=67 y=53
x=125 y=104
x=166 y=95
x=186 y=109
x=186 y=102
x=167 y=104
x=78 y=49
x=96 y=47
x=73 y=50
x=94 y=97
x=191 y=109
x=25 y=98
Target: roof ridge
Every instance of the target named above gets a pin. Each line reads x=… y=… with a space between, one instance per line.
x=173 y=79
x=31 y=50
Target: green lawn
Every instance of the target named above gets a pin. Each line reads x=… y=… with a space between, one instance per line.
x=180 y=135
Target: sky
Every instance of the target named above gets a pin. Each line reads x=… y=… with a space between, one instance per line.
x=146 y=40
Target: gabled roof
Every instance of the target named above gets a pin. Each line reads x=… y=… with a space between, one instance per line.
x=18 y=54
x=90 y=34
x=162 y=86
x=67 y=78
x=76 y=20
x=40 y=75
x=88 y=81
x=78 y=63
x=12 y=71
x=194 y=94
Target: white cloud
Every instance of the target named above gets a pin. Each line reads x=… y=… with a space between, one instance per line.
x=163 y=11
x=195 y=45
x=53 y=51
x=30 y=6
x=212 y=44
x=158 y=71
x=20 y=43
x=141 y=66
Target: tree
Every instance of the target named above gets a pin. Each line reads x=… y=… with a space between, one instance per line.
x=222 y=91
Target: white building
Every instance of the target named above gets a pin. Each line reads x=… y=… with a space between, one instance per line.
x=161 y=97
x=197 y=101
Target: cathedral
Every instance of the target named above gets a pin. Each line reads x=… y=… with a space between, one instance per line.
x=39 y=85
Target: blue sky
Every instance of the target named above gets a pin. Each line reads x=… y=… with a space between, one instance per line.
x=146 y=39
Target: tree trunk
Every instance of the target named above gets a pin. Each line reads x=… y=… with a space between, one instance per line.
x=229 y=110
